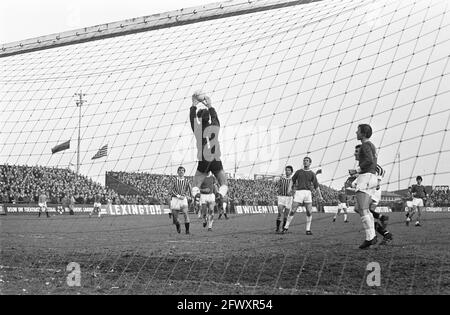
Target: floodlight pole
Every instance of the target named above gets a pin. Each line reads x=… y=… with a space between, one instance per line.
x=79 y=103
x=398 y=154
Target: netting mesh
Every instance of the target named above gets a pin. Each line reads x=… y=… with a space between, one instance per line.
x=286 y=82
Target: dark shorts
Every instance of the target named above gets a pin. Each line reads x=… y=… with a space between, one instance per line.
x=213 y=166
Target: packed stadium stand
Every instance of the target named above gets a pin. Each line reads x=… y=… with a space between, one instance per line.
x=440 y=198
x=21 y=184
x=241 y=191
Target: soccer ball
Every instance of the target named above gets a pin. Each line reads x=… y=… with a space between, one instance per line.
x=199 y=95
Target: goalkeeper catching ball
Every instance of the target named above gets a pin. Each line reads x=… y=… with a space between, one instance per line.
x=205 y=125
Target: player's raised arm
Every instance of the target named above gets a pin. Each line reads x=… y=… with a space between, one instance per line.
x=193 y=110
x=212 y=111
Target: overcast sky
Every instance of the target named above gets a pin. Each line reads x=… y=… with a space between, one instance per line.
x=43 y=17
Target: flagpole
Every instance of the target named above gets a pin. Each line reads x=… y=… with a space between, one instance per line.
x=79 y=103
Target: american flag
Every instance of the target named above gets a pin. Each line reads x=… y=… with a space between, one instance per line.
x=102 y=152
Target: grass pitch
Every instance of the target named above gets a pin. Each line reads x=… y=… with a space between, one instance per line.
x=242 y=255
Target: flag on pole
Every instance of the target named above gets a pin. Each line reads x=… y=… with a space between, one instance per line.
x=102 y=152
x=61 y=147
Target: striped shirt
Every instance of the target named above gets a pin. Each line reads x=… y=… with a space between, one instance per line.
x=181 y=186
x=284 y=186
x=380 y=171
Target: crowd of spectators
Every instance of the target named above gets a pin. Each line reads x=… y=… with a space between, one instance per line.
x=153 y=186
x=240 y=191
x=440 y=198
x=23 y=184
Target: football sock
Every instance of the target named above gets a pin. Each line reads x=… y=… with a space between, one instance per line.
x=375 y=215
x=308 y=222
x=278 y=224
x=379 y=228
x=211 y=220
x=365 y=222
x=288 y=221
x=369 y=226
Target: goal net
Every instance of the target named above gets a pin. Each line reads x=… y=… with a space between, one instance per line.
x=288 y=79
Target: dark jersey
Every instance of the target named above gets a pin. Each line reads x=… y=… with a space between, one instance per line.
x=98 y=199
x=180 y=186
x=284 y=186
x=342 y=197
x=368 y=158
x=349 y=181
x=207 y=135
x=409 y=196
x=207 y=187
x=418 y=191
x=304 y=180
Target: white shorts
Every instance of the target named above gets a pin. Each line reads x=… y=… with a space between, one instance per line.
x=367 y=183
x=207 y=199
x=177 y=204
x=97 y=204
x=285 y=201
x=43 y=204
x=418 y=202
x=409 y=204
x=342 y=206
x=377 y=196
x=303 y=196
